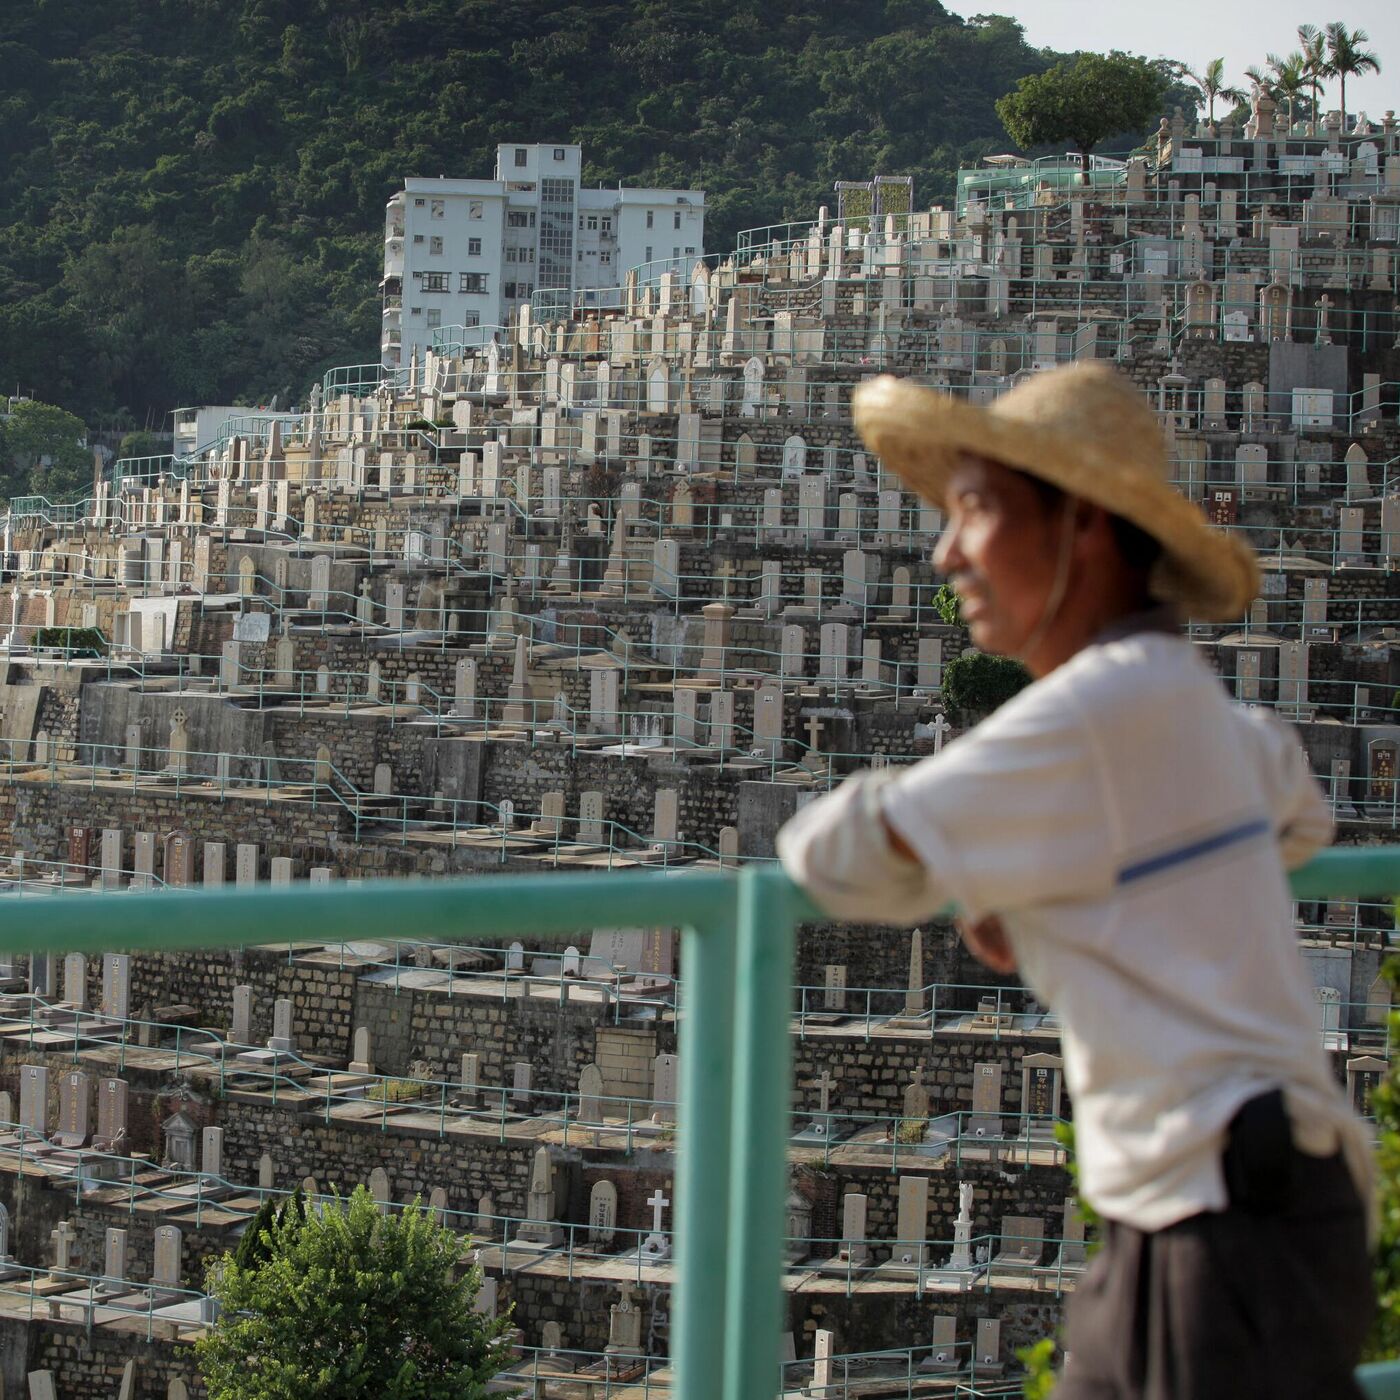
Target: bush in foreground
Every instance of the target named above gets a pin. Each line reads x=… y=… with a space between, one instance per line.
x=340 y=1301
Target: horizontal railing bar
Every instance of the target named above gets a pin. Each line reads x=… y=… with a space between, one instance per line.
x=456 y=910
x=450 y=910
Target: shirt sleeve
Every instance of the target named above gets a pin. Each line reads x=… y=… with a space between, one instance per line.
x=1015 y=814
x=837 y=849
x=1301 y=814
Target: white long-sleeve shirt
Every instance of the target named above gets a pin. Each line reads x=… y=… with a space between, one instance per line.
x=1131 y=827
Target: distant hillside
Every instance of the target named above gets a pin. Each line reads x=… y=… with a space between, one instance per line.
x=191 y=191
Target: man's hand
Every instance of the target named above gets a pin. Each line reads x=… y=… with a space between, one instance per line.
x=988 y=943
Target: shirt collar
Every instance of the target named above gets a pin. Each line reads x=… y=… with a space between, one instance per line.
x=1162 y=617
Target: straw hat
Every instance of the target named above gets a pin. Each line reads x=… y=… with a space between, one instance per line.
x=1088 y=430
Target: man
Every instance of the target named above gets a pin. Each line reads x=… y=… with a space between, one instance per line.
x=1120 y=832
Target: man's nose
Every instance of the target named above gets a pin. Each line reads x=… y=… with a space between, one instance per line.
x=947 y=553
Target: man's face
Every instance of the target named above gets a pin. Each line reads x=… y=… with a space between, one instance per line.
x=999 y=551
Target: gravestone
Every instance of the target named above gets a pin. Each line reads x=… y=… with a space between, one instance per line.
x=602 y=1213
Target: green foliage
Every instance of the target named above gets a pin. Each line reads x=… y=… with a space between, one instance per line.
x=192 y=191
x=1384 y=1341
x=1347 y=59
x=351 y=1303
x=978 y=683
x=1039 y=1361
x=1213 y=85
x=946 y=605
x=42 y=453
x=74 y=641
x=1096 y=96
x=141 y=444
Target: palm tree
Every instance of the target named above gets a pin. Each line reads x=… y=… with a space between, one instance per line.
x=1290 y=79
x=1211 y=81
x=1314 y=51
x=1347 y=59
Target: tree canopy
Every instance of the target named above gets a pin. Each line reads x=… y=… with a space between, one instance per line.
x=42 y=452
x=1093 y=97
x=192 y=191
x=341 y=1301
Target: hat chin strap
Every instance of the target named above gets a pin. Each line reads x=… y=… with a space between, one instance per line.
x=1059 y=586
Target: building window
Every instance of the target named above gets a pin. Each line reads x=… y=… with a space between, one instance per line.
x=517 y=219
x=435 y=282
x=512 y=254
x=472 y=282
x=510 y=291
x=651 y=218
x=580 y=223
x=439 y=209
x=435 y=246
x=415 y=310
x=593 y=223
x=471 y=318
x=675 y=252
x=473 y=247
x=521 y=155
x=605 y=257
x=419 y=203
x=474 y=208
x=607 y=223
x=647 y=258
x=690 y=252
x=580 y=255
x=434 y=317
x=677 y=217
x=527 y=255
x=559 y=153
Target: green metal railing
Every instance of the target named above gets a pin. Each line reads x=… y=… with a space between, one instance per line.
x=735 y=1042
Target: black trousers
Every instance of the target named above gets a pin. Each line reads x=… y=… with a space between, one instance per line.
x=1256 y=1302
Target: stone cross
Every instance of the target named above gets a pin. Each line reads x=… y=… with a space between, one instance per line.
x=1324 y=308
x=62 y=1238
x=658 y=1203
x=940 y=727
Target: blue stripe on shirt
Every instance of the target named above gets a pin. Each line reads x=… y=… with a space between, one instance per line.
x=1193 y=851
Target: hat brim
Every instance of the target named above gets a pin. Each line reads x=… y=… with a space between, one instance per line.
x=922 y=436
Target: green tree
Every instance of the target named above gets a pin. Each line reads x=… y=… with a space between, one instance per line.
x=947 y=606
x=1211 y=81
x=45 y=452
x=1312 y=44
x=1290 y=80
x=1095 y=96
x=350 y=1303
x=140 y=444
x=976 y=684
x=1347 y=59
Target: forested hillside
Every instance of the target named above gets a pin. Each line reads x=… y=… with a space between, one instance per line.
x=192 y=191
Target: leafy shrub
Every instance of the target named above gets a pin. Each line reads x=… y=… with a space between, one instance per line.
x=344 y=1301
x=76 y=641
x=978 y=683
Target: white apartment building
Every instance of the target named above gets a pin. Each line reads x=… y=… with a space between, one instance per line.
x=469 y=252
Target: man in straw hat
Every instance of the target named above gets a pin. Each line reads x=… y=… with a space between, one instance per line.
x=1120 y=831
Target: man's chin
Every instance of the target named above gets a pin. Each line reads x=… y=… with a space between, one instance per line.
x=986 y=636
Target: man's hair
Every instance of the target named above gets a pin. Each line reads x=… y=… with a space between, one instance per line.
x=1139 y=550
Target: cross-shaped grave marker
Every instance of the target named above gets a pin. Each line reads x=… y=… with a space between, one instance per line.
x=658 y=1203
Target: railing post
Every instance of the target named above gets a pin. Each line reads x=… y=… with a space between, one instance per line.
x=703 y=1147
x=761 y=1107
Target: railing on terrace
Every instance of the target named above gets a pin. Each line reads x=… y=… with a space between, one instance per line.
x=735 y=1044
